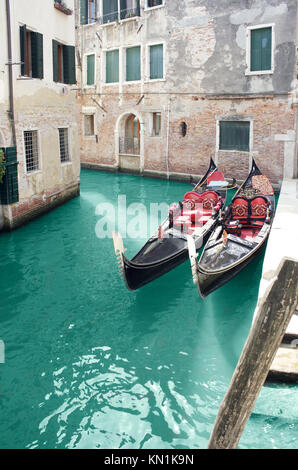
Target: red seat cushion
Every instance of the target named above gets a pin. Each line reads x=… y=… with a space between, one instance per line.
x=209 y=199
x=193 y=196
x=240 y=208
x=259 y=208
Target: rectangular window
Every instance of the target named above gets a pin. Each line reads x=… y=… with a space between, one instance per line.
x=112 y=66
x=90 y=78
x=261 y=49
x=63 y=145
x=88 y=11
x=234 y=135
x=133 y=63
x=31 y=47
x=156 y=124
x=88 y=125
x=64 y=64
x=156 y=61
x=129 y=9
x=110 y=11
x=31 y=150
x=154 y=3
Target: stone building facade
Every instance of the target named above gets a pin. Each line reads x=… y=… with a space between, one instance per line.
x=38 y=111
x=165 y=83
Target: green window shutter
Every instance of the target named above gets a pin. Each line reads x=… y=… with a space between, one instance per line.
x=234 y=135
x=55 y=61
x=9 y=189
x=133 y=63
x=69 y=65
x=23 y=49
x=37 y=55
x=156 y=61
x=112 y=66
x=84 y=11
x=261 y=49
x=90 y=69
x=110 y=10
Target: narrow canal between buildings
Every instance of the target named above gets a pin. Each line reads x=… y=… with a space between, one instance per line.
x=90 y=364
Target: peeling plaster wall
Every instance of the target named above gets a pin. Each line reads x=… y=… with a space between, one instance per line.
x=205 y=46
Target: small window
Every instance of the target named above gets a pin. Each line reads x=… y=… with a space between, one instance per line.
x=31 y=150
x=112 y=66
x=234 y=135
x=88 y=10
x=154 y=3
x=90 y=75
x=133 y=63
x=156 y=61
x=31 y=46
x=89 y=125
x=156 y=124
x=261 y=49
x=63 y=145
x=183 y=128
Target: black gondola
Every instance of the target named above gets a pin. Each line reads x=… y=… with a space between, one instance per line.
x=167 y=248
x=239 y=236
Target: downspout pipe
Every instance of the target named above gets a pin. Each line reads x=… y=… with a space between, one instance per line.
x=10 y=75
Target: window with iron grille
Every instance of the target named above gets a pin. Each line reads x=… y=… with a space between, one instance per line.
x=63 y=144
x=31 y=150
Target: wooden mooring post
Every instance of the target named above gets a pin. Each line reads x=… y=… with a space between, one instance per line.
x=264 y=339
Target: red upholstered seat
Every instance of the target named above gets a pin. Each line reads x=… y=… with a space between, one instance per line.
x=258 y=208
x=193 y=196
x=209 y=200
x=240 y=209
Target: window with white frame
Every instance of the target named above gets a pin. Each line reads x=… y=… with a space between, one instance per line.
x=64 y=144
x=260 y=49
x=154 y=3
x=89 y=125
x=155 y=124
x=234 y=135
x=156 y=61
x=90 y=70
x=31 y=150
x=133 y=63
x=112 y=66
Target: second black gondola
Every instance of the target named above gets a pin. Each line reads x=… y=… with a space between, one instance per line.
x=239 y=236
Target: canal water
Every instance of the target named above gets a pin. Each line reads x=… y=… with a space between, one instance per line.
x=89 y=364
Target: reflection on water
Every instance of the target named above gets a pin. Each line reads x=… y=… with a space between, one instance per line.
x=90 y=364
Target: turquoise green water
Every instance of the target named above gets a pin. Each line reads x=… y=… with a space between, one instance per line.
x=90 y=364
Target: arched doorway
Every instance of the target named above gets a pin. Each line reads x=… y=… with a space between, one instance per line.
x=130 y=142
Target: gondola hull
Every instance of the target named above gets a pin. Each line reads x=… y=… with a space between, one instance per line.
x=137 y=275
x=208 y=282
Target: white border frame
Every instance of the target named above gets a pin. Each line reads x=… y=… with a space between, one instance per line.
x=248 y=49
x=153 y=8
x=124 y=49
x=85 y=65
x=229 y=119
x=89 y=112
x=104 y=66
x=147 y=73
